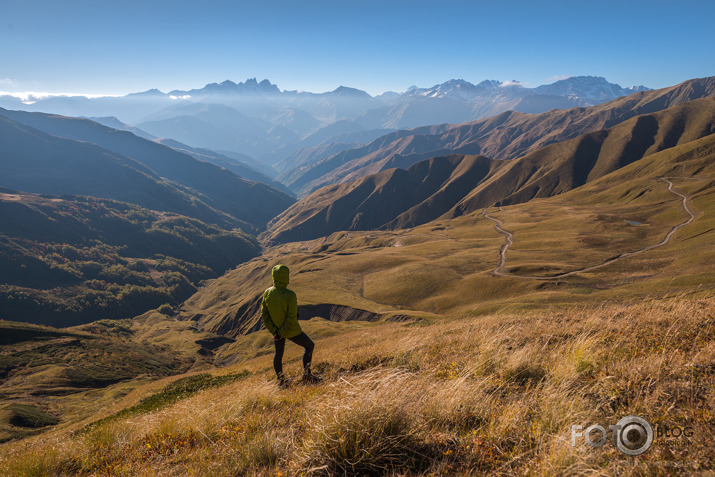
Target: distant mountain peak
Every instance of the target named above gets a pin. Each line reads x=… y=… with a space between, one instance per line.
x=250 y=86
x=581 y=90
x=347 y=91
x=149 y=92
x=489 y=84
x=457 y=89
x=589 y=90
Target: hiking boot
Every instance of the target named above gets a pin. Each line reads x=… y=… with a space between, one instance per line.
x=310 y=378
x=283 y=382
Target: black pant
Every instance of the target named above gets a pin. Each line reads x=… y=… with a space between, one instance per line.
x=301 y=340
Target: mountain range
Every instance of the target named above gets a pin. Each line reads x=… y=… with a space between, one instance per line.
x=505 y=136
x=259 y=120
x=348 y=180
x=522 y=157
x=53 y=154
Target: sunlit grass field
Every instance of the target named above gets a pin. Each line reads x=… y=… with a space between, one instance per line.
x=493 y=394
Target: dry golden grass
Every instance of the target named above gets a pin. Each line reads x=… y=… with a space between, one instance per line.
x=494 y=394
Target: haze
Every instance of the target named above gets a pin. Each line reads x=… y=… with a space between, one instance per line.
x=114 y=47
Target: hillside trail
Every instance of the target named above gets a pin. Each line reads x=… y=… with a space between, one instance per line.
x=509 y=240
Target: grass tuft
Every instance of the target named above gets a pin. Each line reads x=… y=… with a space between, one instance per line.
x=372 y=435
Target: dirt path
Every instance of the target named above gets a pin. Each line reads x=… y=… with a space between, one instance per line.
x=509 y=239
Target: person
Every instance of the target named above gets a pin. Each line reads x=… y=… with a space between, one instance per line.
x=279 y=311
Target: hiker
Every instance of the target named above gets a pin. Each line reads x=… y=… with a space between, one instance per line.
x=279 y=311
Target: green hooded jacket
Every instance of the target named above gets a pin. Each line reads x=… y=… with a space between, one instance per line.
x=279 y=309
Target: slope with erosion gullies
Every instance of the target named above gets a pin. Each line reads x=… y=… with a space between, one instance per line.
x=506 y=136
x=298 y=178
x=397 y=198
x=311 y=150
x=373 y=201
x=77 y=259
x=444 y=268
x=558 y=168
x=247 y=201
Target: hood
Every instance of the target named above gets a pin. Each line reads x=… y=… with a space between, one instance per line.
x=280 y=275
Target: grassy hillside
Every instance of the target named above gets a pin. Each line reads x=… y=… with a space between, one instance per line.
x=74 y=260
x=494 y=394
x=48 y=374
x=455 y=185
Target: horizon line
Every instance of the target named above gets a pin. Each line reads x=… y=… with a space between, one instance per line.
x=29 y=97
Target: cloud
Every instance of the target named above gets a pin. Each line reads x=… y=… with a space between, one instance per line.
x=7 y=82
x=510 y=83
x=32 y=96
x=556 y=78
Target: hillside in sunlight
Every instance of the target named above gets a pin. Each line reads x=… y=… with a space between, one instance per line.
x=445 y=187
x=493 y=394
x=444 y=266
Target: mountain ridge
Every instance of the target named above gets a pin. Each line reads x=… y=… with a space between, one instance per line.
x=249 y=202
x=504 y=136
x=55 y=163
x=275 y=122
x=365 y=203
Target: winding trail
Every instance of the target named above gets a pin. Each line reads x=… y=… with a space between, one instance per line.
x=510 y=241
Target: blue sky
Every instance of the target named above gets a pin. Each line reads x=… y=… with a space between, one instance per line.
x=118 y=47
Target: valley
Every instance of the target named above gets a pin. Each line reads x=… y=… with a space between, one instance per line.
x=473 y=291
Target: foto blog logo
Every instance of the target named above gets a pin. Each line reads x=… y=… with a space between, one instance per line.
x=632 y=435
